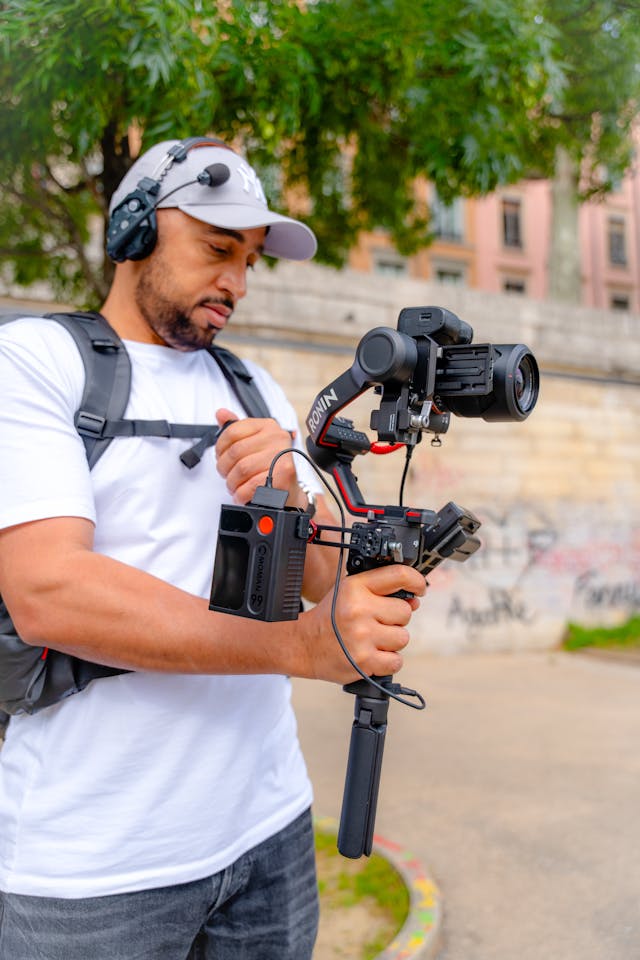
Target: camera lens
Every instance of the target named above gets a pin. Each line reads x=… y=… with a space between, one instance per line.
x=525 y=384
x=515 y=383
x=513 y=389
x=519 y=383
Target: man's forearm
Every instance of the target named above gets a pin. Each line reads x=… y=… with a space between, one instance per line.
x=105 y=611
x=63 y=595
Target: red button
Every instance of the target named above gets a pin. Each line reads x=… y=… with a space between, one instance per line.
x=265 y=525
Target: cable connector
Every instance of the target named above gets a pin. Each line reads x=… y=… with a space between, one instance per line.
x=396 y=690
x=269 y=496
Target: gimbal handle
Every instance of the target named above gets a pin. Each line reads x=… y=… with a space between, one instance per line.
x=362 y=781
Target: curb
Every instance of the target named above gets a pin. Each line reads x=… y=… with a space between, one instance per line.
x=419 y=938
x=613 y=655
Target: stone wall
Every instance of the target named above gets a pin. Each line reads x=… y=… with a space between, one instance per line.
x=558 y=495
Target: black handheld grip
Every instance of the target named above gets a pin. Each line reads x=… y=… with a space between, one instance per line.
x=362 y=781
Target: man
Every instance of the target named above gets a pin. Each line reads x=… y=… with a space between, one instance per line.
x=164 y=812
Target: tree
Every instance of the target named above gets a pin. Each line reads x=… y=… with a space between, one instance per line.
x=339 y=103
x=590 y=120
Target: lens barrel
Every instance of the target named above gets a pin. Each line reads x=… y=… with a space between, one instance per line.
x=515 y=384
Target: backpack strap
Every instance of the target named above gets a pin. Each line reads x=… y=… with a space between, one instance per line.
x=107 y=366
x=108 y=382
x=107 y=377
x=241 y=381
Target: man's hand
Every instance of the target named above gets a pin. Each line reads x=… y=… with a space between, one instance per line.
x=373 y=625
x=244 y=452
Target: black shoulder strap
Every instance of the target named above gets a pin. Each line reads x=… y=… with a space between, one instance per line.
x=107 y=377
x=241 y=381
x=106 y=393
x=244 y=388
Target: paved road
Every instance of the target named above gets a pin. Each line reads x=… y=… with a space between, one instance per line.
x=518 y=788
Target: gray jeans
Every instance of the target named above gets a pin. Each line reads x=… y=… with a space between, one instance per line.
x=263 y=907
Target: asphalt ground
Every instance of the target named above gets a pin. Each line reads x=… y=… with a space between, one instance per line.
x=518 y=788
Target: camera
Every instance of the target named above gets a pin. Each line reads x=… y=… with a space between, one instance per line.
x=423 y=371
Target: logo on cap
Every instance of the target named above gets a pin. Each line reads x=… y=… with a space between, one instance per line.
x=249 y=180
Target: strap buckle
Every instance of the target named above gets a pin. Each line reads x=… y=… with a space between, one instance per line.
x=90 y=424
x=104 y=345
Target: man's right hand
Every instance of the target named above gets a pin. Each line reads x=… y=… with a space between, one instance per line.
x=373 y=624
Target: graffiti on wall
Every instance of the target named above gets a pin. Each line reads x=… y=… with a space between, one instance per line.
x=594 y=592
x=533 y=569
x=502 y=607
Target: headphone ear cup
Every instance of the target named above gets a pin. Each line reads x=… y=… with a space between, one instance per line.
x=143 y=242
x=132 y=232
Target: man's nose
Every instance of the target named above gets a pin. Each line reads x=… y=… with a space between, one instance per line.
x=233 y=279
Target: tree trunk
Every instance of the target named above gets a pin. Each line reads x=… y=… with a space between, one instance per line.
x=117 y=160
x=565 y=273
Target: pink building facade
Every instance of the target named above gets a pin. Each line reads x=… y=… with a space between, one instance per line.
x=502 y=244
x=513 y=232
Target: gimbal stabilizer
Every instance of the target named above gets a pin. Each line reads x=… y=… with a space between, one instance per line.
x=424 y=371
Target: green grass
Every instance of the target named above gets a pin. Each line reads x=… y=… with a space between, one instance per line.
x=626 y=636
x=343 y=883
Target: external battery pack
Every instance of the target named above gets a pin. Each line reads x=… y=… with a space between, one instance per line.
x=259 y=562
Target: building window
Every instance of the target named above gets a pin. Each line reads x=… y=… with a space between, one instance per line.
x=511 y=223
x=620 y=301
x=454 y=277
x=447 y=219
x=449 y=271
x=617 y=241
x=389 y=263
x=514 y=285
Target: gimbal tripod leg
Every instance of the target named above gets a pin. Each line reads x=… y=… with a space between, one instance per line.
x=360 y=798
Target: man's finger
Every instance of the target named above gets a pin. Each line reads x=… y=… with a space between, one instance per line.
x=386 y=579
x=223 y=416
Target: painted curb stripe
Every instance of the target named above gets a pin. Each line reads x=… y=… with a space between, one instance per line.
x=419 y=936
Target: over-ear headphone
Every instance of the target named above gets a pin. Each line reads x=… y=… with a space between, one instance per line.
x=132 y=232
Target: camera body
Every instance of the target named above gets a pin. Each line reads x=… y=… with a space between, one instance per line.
x=425 y=370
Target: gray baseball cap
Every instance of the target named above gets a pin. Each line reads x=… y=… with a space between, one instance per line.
x=238 y=203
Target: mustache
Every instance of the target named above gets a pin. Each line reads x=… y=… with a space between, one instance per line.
x=218 y=301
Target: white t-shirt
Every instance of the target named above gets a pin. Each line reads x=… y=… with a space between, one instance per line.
x=143 y=779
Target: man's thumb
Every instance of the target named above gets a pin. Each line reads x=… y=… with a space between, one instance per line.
x=224 y=416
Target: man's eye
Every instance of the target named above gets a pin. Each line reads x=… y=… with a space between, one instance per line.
x=219 y=251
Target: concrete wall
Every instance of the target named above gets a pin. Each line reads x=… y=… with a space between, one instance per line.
x=558 y=495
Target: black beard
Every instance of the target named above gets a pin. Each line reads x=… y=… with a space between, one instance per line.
x=166 y=318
